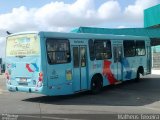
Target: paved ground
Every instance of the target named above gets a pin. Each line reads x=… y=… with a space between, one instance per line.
x=129 y=97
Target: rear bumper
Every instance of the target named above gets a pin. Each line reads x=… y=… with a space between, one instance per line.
x=13 y=88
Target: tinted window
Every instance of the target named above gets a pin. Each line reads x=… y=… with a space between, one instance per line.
x=129 y=48
x=76 y=57
x=58 y=51
x=140 y=48
x=91 y=49
x=102 y=49
x=83 y=56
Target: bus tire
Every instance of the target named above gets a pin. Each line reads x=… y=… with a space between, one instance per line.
x=96 y=84
x=139 y=72
x=137 y=79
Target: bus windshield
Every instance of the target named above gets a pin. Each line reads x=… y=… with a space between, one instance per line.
x=23 y=45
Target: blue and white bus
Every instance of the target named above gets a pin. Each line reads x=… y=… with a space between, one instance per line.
x=54 y=63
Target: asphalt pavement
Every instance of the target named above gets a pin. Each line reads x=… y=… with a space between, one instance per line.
x=126 y=98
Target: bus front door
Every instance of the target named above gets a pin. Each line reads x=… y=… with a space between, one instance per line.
x=118 y=68
x=79 y=68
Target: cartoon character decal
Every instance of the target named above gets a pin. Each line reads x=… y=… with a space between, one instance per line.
x=126 y=66
x=108 y=73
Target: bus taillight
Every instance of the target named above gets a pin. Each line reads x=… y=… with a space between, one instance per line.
x=7 y=75
x=40 y=77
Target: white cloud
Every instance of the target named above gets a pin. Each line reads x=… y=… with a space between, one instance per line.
x=134 y=13
x=110 y=10
x=67 y=15
x=58 y=16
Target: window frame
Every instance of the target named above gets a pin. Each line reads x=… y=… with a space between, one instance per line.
x=67 y=52
x=124 y=48
x=91 y=49
x=102 y=41
x=144 y=47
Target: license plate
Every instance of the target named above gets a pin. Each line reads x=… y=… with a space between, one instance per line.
x=23 y=80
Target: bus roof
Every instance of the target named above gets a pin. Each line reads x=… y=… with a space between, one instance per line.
x=81 y=35
x=90 y=36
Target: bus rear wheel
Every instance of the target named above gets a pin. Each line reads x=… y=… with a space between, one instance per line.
x=140 y=72
x=96 y=85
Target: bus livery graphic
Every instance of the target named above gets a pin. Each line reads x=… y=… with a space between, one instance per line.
x=107 y=72
x=32 y=67
x=11 y=65
x=126 y=66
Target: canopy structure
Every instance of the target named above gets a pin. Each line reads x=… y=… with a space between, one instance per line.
x=153 y=33
x=152 y=17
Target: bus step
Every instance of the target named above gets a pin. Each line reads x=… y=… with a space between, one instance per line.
x=118 y=82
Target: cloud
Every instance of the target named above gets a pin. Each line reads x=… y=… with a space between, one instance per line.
x=105 y=11
x=59 y=16
x=67 y=15
x=134 y=13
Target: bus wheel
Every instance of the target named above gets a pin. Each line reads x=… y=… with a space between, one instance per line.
x=96 y=85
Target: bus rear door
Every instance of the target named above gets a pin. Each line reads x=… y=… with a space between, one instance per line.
x=79 y=68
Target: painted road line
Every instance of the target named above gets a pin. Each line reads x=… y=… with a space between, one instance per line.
x=48 y=117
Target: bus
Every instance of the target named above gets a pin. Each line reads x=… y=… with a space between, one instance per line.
x=53 y=63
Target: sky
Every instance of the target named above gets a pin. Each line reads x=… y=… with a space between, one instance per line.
x=64 y=15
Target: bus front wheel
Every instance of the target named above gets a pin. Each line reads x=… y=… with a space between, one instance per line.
x=137 y=79
x=96 y=85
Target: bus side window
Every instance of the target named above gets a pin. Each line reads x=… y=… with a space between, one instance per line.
x=103 y=49
x=140 y=48
x=83 y=56
x=129 y=48
x=76 y=57
x=58 y=51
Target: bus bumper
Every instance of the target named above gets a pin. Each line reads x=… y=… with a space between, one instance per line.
x=13 y=88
